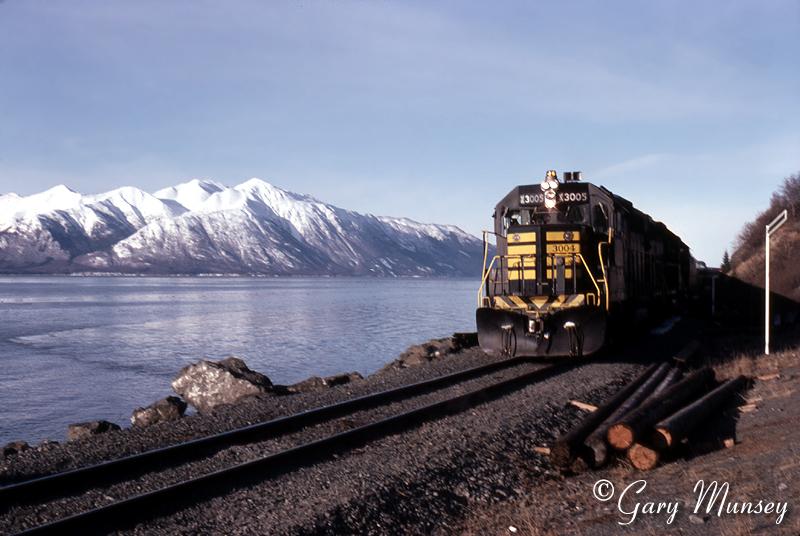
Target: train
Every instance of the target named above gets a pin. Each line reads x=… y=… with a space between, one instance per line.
x=572 y=265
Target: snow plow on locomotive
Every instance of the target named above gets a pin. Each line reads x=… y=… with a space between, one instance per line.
x=574 y=263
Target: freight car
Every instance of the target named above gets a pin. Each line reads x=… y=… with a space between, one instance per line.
x=573 y=263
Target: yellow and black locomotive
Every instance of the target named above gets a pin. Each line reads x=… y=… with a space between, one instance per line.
x=574 y=261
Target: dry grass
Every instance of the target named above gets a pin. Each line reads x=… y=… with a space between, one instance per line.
x=753 y=365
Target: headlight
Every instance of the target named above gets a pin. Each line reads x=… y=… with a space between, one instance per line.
x=550 y=199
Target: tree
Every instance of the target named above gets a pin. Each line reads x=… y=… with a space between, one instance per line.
x=726 y=263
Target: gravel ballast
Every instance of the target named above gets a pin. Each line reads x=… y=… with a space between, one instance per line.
x=412 y=481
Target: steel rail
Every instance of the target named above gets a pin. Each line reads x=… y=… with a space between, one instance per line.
x=82 y=478
x=139 y=508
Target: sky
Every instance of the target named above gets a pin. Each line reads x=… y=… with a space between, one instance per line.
x=432 y=110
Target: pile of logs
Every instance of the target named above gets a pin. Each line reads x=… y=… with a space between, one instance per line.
x=647 y=419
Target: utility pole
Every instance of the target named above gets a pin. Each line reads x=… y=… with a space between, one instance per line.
x=779 y=220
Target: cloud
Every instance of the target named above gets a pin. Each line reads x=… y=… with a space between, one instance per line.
x=705 y=197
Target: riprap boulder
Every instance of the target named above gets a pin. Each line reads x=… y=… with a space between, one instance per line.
x=207 y=384
x=164 y=410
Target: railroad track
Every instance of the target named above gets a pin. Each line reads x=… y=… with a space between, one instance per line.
x=128 y=511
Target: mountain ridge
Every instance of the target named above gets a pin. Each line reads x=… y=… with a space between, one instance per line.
x=202 y=226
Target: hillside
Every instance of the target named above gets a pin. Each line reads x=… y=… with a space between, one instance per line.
x=204 y=227
x=747 y=261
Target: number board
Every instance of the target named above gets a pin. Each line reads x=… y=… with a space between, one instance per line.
x=567 y=193
x=563 y=249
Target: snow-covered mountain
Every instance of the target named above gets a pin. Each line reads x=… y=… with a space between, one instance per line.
x=204 y=227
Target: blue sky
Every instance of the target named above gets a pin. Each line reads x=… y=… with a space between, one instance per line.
x=432 y=110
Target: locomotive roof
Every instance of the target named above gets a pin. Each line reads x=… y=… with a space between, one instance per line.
x=511 y=200
x=645 y=221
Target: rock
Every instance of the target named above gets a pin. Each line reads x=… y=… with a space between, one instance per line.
x=47 y=445
x=207 y=384
x=462 y=341
x=422 y=353
x=697 y=520
x=315 y=383
x=341 y=379
x=82 y=430
x=15 y=447
x=166 y=409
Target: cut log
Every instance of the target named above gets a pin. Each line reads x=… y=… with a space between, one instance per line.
x=595 y=445
x=625 y=433
x=642 y=457
x=676 y=427
x=672 y=377
x=566 y=447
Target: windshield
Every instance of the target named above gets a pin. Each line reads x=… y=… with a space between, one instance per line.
x=571 y=214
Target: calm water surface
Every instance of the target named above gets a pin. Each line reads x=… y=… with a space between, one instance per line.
x=74 y=349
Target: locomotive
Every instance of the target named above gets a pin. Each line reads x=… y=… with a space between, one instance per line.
x=574 y=263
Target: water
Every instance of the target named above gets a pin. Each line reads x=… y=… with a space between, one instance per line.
x=75 y=349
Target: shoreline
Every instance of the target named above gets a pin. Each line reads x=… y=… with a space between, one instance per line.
x=470 y=472
x=407 y=367
x=239 y=275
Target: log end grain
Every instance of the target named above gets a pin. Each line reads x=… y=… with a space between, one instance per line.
x=620 y=436
x=642 y=457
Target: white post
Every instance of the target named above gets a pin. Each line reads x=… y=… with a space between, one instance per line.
x=766 y=298
x=773 y=226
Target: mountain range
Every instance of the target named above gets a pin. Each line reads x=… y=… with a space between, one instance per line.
x=203 y=227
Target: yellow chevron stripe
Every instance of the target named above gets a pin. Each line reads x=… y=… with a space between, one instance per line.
x=575 y=300
x=500 y=303
x=567 y=273
x=539 y=301
x=519 y=302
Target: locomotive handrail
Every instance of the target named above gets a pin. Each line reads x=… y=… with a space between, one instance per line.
x=486 y=272
x=603 y=268
x=591 y=275
x=603 y=265
x=486 y=245
x=485 y=252
x=489 y=270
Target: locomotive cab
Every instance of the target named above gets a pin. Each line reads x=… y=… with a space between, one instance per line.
x=546 y=291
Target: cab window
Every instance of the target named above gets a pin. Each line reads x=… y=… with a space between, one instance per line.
x=572 y=214
x=600 y=218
